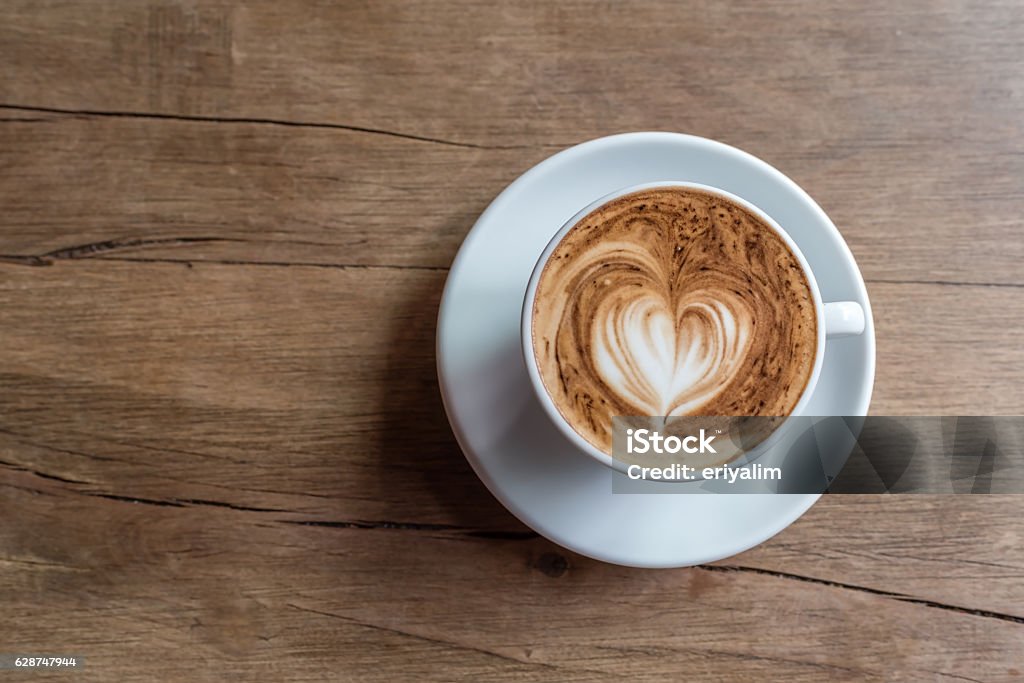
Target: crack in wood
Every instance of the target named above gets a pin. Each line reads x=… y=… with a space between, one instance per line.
x=160 y=116
x=133 y=499
x=786 y=660
x=487 y=534
x=181 y=502
x=48 y=260
x=946 y=674
x=222 y=504
x=436 y=641
x=92 y=248
x=374 y=524
x=710 y=653
x=275 y=264
x=42 y=475
x=163 y=502
x=948 y=283
x=864 y=589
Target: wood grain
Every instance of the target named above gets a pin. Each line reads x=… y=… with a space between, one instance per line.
x=224 y=234
x=262 y=192
x=904 y=122
x=214 y=592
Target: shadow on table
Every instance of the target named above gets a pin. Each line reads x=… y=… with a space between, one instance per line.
x=416 y=443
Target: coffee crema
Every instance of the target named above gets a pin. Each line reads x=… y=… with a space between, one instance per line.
x=672 y=301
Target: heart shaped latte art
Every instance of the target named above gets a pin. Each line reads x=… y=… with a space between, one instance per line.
x=667 y=359
x=672 y=302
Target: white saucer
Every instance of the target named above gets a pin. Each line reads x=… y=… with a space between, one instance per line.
x=512 y=445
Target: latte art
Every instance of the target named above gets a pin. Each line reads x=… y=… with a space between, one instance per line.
x=672 y=301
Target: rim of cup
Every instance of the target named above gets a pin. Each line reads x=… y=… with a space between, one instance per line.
x=526 y=326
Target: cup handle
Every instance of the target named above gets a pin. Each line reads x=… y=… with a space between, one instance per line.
x=843 y=319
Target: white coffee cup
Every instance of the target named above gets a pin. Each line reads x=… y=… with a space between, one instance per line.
x=835 y=319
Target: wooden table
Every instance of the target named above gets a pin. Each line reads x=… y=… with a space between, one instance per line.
x=225 y=229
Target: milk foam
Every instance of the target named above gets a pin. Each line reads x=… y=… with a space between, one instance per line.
x=670 y=362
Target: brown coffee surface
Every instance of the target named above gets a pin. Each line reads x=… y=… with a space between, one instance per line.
x=672 y=301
